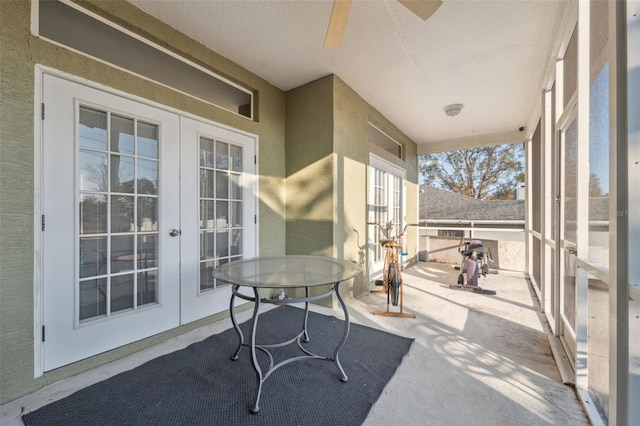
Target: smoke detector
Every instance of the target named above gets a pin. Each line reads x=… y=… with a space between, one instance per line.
x=453 y=109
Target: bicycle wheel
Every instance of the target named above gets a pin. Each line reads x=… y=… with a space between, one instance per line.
x=394 y=282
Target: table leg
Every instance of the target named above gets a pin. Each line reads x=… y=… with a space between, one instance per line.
x=306 y=316
x=262 y=376
x=347 y=327
x=234 y=357
x=254 y=358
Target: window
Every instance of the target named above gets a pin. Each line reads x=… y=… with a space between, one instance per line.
x=450 y=233
x=74 y=28
x=599 y=170
x=381 y=139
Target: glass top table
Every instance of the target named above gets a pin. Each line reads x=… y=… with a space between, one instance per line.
x=280 y=273
x=287 y=271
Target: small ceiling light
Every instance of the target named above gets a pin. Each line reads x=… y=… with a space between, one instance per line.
x=453 y=109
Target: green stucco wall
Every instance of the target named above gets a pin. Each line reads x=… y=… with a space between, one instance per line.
x=327 y=152
x=20 y=53
x=309 y=168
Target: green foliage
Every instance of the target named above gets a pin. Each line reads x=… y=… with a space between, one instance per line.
x=490 y=172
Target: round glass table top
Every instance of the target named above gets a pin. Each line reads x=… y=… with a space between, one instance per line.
x=287 y=271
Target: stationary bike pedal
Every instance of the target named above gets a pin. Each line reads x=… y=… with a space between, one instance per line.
x=379 y=283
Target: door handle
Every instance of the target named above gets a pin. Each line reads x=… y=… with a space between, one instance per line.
x=175 y=232
x=572 y=251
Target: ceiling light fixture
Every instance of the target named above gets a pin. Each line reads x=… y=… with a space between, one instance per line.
x=453 y=109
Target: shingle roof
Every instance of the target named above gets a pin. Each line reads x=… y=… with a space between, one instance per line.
x=440 y=204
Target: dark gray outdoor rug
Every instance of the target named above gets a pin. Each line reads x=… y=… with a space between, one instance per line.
x=200 y=385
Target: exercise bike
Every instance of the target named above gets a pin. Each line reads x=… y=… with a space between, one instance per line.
x=392 y=271
x=475 y=262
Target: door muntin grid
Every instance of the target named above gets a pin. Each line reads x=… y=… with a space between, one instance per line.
x=380 y=210
x=387 y=206
x=118 y=198
x=396 y=204
x=221 y=208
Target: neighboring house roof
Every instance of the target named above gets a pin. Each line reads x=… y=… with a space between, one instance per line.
x=440 y=204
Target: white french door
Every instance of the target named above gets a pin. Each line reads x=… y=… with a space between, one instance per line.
x=219 y=164
x=386 y=204
x=133 y=221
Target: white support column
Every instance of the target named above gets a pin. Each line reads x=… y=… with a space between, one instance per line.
x=528 y=246
x=633 y=199
x=619 y=224
x=582 y=194
x=556 y=152
x=547 y=204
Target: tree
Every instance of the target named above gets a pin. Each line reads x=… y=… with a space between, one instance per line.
x=490 y=172
x=595 y=187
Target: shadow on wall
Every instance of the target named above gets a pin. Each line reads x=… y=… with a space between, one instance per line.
x=316 y=237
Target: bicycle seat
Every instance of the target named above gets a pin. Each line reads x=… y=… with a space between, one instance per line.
x=475 y=246
x=385 y=241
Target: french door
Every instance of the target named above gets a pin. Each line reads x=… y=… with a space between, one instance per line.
x=139 y=205
x=218 y=210
x=386 y=204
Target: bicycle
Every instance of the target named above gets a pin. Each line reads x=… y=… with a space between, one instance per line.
x=392 y=271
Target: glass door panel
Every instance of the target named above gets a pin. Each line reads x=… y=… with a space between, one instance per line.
x=221 y=202
x=117 y=186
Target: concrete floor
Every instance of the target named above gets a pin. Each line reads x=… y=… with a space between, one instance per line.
x=476 y=359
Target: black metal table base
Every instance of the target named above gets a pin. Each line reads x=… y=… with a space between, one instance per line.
x=301 y=337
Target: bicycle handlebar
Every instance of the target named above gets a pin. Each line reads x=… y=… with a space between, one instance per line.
x=389 y=226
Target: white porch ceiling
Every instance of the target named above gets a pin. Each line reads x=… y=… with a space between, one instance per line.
x=490 y=56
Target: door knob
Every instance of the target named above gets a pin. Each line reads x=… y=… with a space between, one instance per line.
x=175 y=232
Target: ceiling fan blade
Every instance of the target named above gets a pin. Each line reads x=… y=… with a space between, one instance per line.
x=423 y=8
x=338 y=23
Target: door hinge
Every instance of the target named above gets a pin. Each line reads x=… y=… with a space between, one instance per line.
x=43 y=333
x=42 y=221
x=255 y=218
x=42 y=110
x=255 y=159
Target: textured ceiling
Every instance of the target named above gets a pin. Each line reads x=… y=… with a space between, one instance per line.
x=490 y=56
